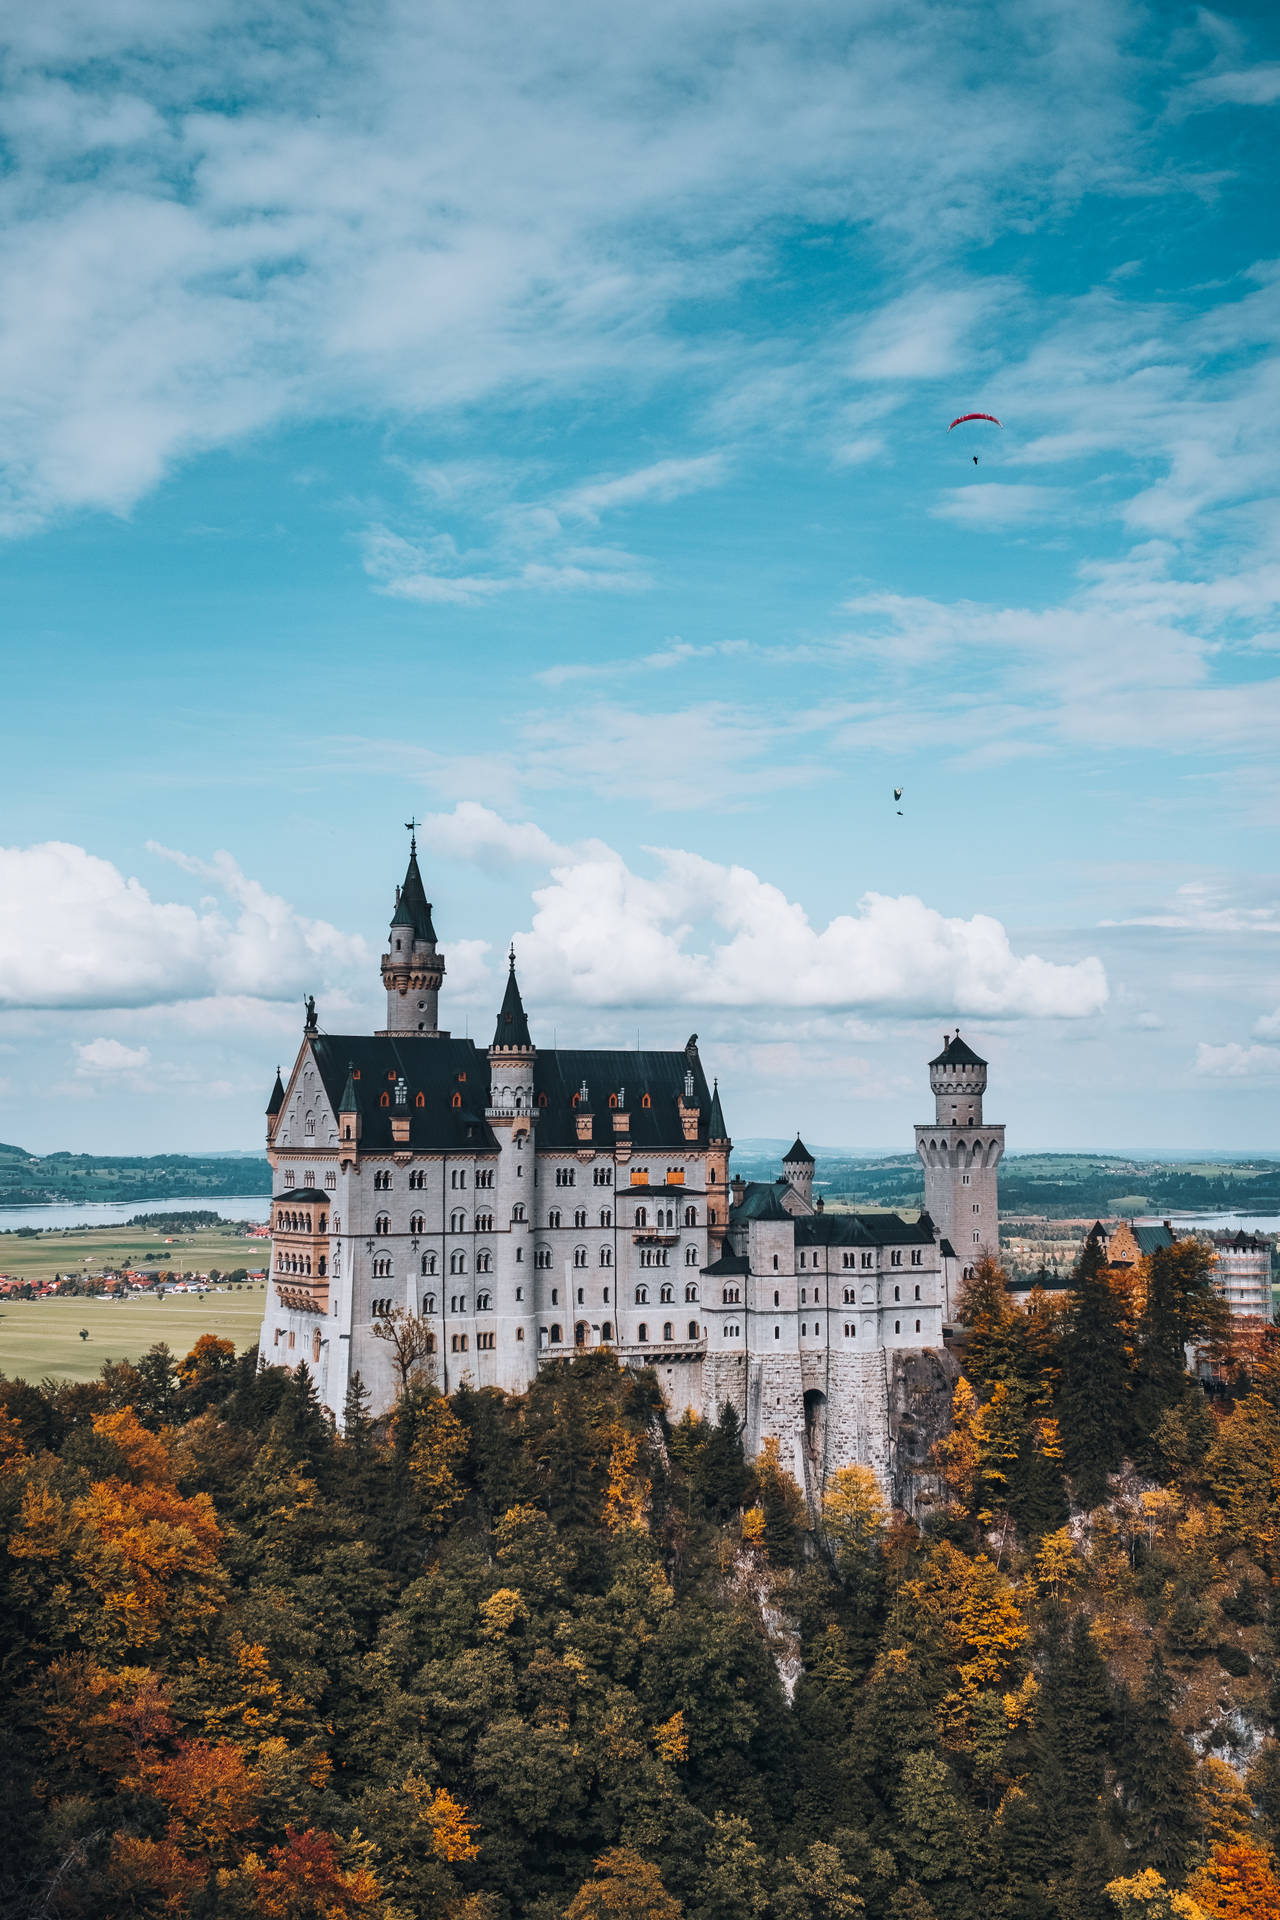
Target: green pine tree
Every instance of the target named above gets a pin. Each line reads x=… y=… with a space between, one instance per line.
x=1094 y=1394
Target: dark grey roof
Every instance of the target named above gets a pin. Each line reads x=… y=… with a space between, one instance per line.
x=276 y=1101
x=957 y=1054
x=862 y=1230
x=728 y=1266
x=1153 y=1239
x=312 y=1196
x=413 y=909
x=759 y=1202
x=364 y=1067
x=512 y=1030
x=559 y=1074
x=799 y=1152
x=716 y=1128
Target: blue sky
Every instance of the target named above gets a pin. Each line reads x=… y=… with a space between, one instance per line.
x=535 y=421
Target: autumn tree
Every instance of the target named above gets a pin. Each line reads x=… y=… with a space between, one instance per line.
x=1237 y=1882
x=410 y=1339
x=622 y=1887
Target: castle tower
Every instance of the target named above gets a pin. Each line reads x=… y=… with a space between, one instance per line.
x=412 y=969
x=512 y=1116
x=797 y=1168
x=960 y=1153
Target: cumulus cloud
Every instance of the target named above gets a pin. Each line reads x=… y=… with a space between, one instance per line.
x=704 y=934
x=1234 y=1062
x=1267 y=1026
x=79 y=933
x=103 y=1056
x=475 y=832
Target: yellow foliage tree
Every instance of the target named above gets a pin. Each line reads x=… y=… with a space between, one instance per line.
x=855 y=1514
x=1238 y=1882
x=626 y=1499
x=1145 y=1896
x=976 y=1612
x=439 y=1446
x=956 y=1455
x=623 y=1887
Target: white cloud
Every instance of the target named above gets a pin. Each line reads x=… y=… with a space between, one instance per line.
x=476 y=832
x=996 y=503
x=702 y=934
x=1234 y=1062
x=663 y=481
x=921 y=335
x=1267 y=1026
x=103 y=1056
x=78 y=933
x=413 y=570
x=1257 y=86
x=1199 y=908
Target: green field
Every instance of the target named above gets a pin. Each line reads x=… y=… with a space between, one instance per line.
x=39 y=1257
x=40 y=1338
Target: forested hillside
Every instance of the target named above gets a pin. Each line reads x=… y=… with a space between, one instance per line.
x=553 y=1656
x=34 y=1180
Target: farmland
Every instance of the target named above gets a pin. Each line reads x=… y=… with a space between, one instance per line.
x=42 y=1337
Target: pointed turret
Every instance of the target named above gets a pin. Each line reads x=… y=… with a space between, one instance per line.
x=512 y=1032
x=716 y=1128
x=797 y=1171
x=798 y=1155
x=349 y=1118
x=350 y=1102
x=276 y=1101
x=412 y=968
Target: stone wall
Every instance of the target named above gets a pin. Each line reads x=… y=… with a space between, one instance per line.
x=920 y=1386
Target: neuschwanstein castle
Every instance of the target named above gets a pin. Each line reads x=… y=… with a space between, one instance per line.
x=530 y=1202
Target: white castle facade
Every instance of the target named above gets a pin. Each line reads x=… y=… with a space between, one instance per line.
x=529 y=1203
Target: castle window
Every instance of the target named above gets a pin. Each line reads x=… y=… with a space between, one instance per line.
x=777 y=1299
x=642 y=1216
x=320 y=1265
x=580 y=1217
x=384 y=1100
x=542 y=1257
x=417 y=1224
x=457 y=1263
x=691 y=1216
x=917 y=1293
x=606 y=1256
x=777 y=1333
x=642 y=1296
x=917 y=1326
x=693 y=1329
x=606 y=1331
x=519 y=1333
x=613 y=1101
x=977 y=1239
x=582 y=1298
x=803 y=1294
x=484 y=1177
x=668 y=1331
x=456 y=1100
x=711 y=1176
x=457 y=1221
x=691 y=1256
x=382 y=1224
x=713 y=1217
x=866 y=1259
x=288 y=1176
x=642 y=1333
x=486 y=1342
x=579 y=1256
x=667 y=1295
x=804 y=1327
x=895 y=1258
x=964 y=1179
x=690 y=1293
x=517 y=1213
x=484 y=1261
x=977 y=1206
x=542 y=1099
x=606 y=1216
x=897 y=1326
x=645 y=1101
x=428 y=1263
x=311 y=1126
x=553 y=1218
x=602 y=1176
x=484 y=1303
x=917 y=1258
x=484 y=1223
x=428 y=1303
x=897 y=1293
x=775 y=1263
x=331 y=1180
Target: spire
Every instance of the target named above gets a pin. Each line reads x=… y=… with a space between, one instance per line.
x=349 y=1102
x=276 y=1101
x=716 y=1128
x=799 y=1152
x=512 y=1033
x=413 y=909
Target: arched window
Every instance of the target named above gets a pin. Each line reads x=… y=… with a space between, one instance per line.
x=517 y=1213
x=428 y=1263
x=428 y=1303
x=322 y=1265
x=897 y=1293
x=382 y=1266
x=667 y=1295
x=645 y=1101
x=579 y=1256
x=691 y=1256
x=917 y=1326
x=691 y=1216
x=320 y=1223
x=484 y=1261
x=383 y=1223
x=384 y=1099
x=457 y=1221
x=542 y=1099
x=417 y=1224
x=642 y=1296
x=580 y=1217
x=606 y=1331
x=775 y=1263
x=457 y=1262
x=553 y=1218
x=668 y=1331
x=606 y=1256
x=484 y=1303
x=642 y=1333
x=713 y=1217
x=917 y=1293
x=420 y=1100
x=555 y=1334
x=897 y=1326
x=542 y=1257
x=690 y=1294
x=613 y=1101
x=310 y=1128
x=606 y=1217
x=642 y=1217
x=456 y=1100
x=431 y=1339
x=693 y=1329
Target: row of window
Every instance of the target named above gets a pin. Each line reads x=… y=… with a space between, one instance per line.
x=330 y=1178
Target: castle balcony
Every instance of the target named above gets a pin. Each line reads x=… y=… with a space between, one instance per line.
x=650 y=1237
x=302 y=1295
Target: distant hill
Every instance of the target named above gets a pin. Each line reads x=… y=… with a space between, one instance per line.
x=34 y=1180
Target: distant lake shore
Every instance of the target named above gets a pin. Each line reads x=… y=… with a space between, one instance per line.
x=66 y=1215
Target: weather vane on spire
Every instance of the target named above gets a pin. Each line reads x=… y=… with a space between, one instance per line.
x=411 y=828
x=511 y=956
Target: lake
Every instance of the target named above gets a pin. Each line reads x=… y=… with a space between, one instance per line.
x=1213 y=1222
x=66 y=1214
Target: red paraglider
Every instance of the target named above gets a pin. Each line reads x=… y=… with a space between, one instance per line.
x=961 y=418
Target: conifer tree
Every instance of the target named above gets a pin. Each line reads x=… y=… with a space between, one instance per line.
x=1159 y=1778
x=1095 y=1379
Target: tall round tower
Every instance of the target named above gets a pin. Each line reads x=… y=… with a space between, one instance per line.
x=412 y=967
x=961 y=1152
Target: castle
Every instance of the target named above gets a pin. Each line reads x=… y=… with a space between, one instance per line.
x=527 y=1203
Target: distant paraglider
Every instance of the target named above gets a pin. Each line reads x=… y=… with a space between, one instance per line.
x=961 y=419
x=897 y=794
